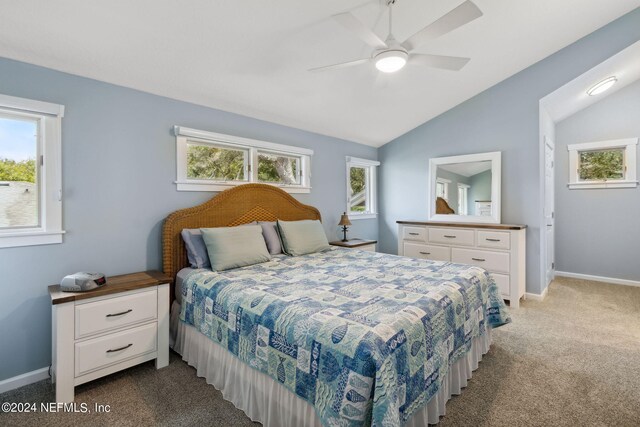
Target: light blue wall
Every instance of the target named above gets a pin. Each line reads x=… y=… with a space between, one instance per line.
x=503 y=118
x=118 y=172
x=597 y=231
x=480 y=189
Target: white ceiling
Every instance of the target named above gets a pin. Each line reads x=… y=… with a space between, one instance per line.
x=572 y=97
x=251 y=56
x=467 y=169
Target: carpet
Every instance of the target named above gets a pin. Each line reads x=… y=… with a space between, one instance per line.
x=570 y=360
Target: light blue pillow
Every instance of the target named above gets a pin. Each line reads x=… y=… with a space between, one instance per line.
x=302 y=237
x=232 y=247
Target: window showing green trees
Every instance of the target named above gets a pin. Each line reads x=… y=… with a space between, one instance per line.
x=216 y=163
x=358 y=196
x=601 y=165
x=24 y=170
x=276 y=168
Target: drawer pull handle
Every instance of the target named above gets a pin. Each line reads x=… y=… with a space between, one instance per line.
x=113 y=350
x=415 y=234
x=478 y=259
x=449 y=236
x=120 y=314
x=425 y=253
x=492 y=240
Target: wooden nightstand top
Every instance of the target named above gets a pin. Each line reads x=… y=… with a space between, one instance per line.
x=353 y=243
x=115 y=284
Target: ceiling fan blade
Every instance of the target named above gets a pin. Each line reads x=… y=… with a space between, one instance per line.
x=453 y=63
x=458 y=17
x=341 y=65
x=360 y=30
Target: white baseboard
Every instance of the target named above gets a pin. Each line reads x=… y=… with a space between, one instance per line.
x=537 y=297
x=24 y=379
x=611 y=280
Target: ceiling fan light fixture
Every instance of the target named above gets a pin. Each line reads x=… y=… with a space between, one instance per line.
x=602 y=86
x=391 y=61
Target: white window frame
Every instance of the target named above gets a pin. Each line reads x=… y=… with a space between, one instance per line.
x=370 y=186
x=464 y=208
x=445 y=183
x=49 y=230
x=630 y=158
x=186 y=136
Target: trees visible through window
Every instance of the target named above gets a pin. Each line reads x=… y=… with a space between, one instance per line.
x=358 y=189
x=208 y=161
x=19 y=205
x=603 y=164
x=361 y=187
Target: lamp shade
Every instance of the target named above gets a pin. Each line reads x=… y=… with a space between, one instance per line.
x=344 y=219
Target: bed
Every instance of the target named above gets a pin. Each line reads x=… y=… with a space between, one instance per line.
x=339 y=337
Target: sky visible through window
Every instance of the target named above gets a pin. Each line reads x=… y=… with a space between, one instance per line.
x=17 y=139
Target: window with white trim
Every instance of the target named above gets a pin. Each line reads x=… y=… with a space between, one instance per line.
x=361 y=188
x=603 y=164
x=30 y=172
x=442 y=188
x=463 y=195
x=209 y=161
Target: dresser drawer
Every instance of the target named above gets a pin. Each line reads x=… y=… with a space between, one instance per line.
x=489 y=260
x=414 y=233
x=434 y=253
x=113 y=313
x=103 y=351
x=494 y=239
x=452 y=236
x=502 y=280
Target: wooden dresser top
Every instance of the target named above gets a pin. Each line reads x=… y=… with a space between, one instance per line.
x=465 y=225
x=115 y=284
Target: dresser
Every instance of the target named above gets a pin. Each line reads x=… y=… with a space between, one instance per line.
x=116 y=326
x=498 y=248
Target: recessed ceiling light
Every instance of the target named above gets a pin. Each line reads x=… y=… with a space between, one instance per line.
x=602 y=86
x=391 y=61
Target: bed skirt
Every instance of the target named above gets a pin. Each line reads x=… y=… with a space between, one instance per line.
x=266 y=401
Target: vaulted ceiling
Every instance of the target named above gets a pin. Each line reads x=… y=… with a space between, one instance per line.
x=251 y=57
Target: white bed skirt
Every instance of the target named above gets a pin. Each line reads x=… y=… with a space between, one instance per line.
x=266 y=401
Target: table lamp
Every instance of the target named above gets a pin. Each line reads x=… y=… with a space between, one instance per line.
x=344 y=222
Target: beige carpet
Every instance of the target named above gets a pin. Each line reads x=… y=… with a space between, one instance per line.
x=572 y=360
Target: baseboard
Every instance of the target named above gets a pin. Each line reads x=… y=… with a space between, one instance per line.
x=537 y=297
x=24 y=379
x=611 y=280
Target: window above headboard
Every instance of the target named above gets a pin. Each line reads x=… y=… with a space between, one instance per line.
x=208 y=161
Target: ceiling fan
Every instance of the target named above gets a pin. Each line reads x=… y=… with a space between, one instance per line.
x=390 y=55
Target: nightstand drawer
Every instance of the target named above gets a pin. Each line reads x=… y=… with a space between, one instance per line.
x=114 y=313
x=107 y=350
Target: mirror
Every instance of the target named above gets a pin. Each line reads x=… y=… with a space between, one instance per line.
x=465 y=188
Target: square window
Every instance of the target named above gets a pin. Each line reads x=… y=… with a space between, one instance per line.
x=278 y=168
x=603 y=164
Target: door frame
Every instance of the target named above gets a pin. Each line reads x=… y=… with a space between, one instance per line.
x=542 y=166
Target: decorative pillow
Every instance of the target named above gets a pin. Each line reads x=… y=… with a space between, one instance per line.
x=232 y=247
x=196 y=249
x=302 y=237
x=271 y=237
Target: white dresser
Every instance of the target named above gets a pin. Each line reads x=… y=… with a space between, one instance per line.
x=498 y=248
x=99 y=332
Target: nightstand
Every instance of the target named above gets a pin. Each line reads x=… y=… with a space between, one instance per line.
x=116 y=326
x=362 y=244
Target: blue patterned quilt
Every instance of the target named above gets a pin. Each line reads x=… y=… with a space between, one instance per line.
x=366 y=338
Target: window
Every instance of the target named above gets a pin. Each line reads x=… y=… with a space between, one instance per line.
x=463 y=195
x=30 y=174
x=210 y=161
x=605 y=164
x=361 y=188
x=442 y=188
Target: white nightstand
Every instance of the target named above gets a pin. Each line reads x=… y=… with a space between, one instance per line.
x=97 y=333
x=362 y=244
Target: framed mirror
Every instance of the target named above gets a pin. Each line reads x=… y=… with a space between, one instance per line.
x=465 y=188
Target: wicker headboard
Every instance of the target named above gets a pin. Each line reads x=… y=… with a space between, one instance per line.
x=236 y=206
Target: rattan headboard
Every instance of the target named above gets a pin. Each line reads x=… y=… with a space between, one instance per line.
x=238 y=205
